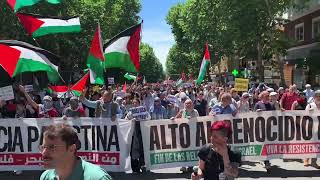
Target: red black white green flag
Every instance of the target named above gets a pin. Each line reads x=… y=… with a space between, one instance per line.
x=37 y=25
x=122 y=51
x=17 y=4
x=96 y=58
x=17 y=57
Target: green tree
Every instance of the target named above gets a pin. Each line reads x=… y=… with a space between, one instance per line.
x=151 y=67
x=113 y=16
x=233 y=28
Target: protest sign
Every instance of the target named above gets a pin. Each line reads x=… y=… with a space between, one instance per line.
x=172 y=99
x=121 y=94
x=28 y=88
x=111 y=80
x=241 y=84
x=6 y=93
x=139 y=113
x=258 y=136
x=103 y=142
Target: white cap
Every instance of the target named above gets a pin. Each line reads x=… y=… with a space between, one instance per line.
x=273 y=94
x=245 y=94
x=308 y=85
x=48 y=98
x=270 y=90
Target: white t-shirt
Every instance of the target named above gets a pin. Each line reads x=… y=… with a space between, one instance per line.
x=312 y=107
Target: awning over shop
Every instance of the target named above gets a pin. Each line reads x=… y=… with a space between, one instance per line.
x=295 y=54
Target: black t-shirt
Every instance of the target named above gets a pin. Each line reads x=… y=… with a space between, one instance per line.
x=264 y=106
x=165 y=103
x=214 y=162
x=200 y=106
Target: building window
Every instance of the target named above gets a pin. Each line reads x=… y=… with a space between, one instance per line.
x=299 y=32
x=315 y=27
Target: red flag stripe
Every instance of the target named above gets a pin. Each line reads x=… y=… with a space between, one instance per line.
x=207 y=54
x=81 y=84
x=9 y=58
x=30 y=23
x=11 y=3
x=133 y=47
x=96 y=45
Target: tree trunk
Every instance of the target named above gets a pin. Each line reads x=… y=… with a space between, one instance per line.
x=281 y=66
x=260 y=67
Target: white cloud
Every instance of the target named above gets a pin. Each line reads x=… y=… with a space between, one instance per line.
x=161 y=39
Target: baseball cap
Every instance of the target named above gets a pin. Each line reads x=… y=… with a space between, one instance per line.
x=270 y=90
x=245 y=95
x=317 y=93
x=273 y=94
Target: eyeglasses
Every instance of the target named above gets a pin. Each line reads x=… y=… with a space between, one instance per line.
x=51 y=147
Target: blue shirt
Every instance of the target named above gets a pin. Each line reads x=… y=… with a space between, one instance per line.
x=218 y=109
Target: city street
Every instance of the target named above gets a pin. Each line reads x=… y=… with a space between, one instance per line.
x=280 y=170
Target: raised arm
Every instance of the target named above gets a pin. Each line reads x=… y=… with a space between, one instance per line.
x=29 y=99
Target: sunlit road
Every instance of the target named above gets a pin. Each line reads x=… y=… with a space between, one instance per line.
x=280 y=170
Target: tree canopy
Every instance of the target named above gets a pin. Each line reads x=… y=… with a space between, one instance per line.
x=232 y=28
x=151 y=67
x=73 y=48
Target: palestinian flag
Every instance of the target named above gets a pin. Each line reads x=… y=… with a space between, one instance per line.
x=54 y=1
x=17 y=57
x=17 y=4
x=130 y=77
x=80 y=85
x=183 y=76
x=122 y=51
x=60 y=90
x=37 y=25
x=204 y=66
x=96 y=58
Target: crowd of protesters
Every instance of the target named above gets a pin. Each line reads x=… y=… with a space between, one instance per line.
x=162 y=101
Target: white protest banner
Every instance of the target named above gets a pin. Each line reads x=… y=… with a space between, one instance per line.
x=6 y=93
x=121 y=94
x=258 y=136
x=103 y=142
x=111 y=80
x=139 y=113
x=172 y=99
x=28 y=88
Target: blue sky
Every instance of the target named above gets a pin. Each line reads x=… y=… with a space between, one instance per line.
x=156 y=31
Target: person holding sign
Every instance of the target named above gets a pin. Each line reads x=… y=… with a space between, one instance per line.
x=188 y=111
x=74 y=109
x=59 y=149
x=137 y=113
x=157 y=111
x=313 y=107
x=225 y=107
x=265 y=105
x=104 y=107
x=216 y=160
x=45 y=110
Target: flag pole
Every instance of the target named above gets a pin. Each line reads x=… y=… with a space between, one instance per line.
x=36 y=42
